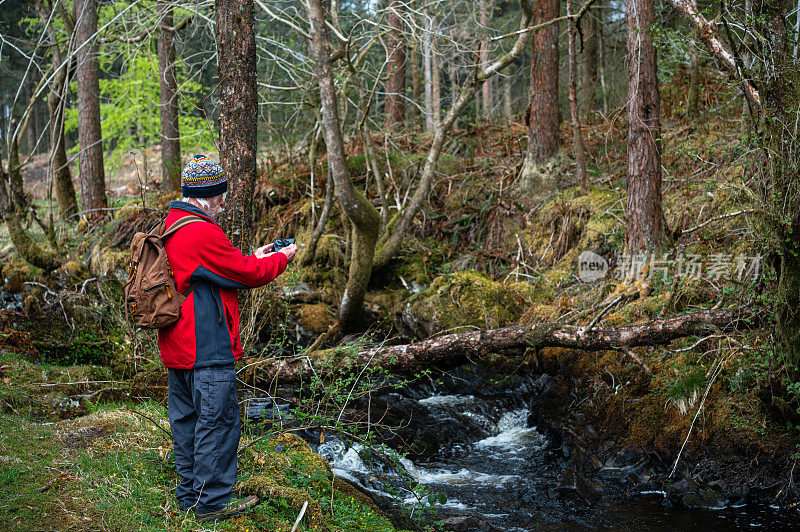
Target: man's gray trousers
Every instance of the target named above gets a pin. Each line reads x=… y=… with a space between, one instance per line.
x=204 y=417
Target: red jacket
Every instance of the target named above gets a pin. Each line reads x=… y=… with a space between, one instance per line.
x=207 y=333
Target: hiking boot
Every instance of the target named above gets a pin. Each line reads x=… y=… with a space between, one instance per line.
x=226 y=513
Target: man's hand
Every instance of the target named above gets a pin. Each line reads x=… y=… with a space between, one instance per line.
x=289 y=251
x=263 y=251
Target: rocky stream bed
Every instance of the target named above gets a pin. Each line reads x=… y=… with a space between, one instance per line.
x=504 y=464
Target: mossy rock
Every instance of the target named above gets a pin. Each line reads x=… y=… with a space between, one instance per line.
x=266 y=487
x=468 y=299
x=131 y=208
x=16 y=273
x=316 y=319
x=109 y=261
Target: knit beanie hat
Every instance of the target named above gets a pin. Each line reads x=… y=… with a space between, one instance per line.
x=203 y=178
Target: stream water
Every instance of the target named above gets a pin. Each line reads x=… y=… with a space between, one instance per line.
x=501 y=471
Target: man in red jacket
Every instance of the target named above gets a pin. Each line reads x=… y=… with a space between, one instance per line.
x=200 y=349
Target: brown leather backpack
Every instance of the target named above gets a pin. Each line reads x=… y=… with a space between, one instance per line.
x=151 y=298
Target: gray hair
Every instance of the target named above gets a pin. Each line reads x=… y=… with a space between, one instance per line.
x=203 y=202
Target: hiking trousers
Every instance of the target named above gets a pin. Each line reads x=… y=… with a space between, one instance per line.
x=204 y=417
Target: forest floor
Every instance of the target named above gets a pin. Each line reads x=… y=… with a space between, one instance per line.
x=485 y=254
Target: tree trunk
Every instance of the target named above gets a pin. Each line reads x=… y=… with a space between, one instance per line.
x=590 y=39
x=781 y=147
x=693 y=98
x=577 y=139
x=90 y=138
x=454 y=349
x=747 y=115
x=238 y=117
x=30 y=131
x=59 y=165
x=395 y=231
x=170 y=133
x=416 y=83
x=486 y=90
x=427 y=57
x=601 y=61
x=30 y=250
x=508 y=110
x=644 y=231
x=436 y=78
x=542 y=116
x=354 y=205
x=395 y=88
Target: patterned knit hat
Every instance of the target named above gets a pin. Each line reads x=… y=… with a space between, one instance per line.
x=203 y=178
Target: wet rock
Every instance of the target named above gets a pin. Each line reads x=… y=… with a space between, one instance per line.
x=468 y=523
x=575 y=487
x=71 y=407
x=10 y=301
x=704 y=499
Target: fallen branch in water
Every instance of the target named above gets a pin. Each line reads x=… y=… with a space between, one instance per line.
x=453 y=349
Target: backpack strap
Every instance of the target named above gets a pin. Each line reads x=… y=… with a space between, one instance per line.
x=183 y=222
x=189 y=289
x=186 y=220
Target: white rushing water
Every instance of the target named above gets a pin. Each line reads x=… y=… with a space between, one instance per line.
x=446 y=400
x=461 y=477
x=513 y=434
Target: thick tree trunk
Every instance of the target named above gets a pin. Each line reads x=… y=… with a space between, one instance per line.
x=542 y=117
x=90 y=138
x=170 y=132
x=395 y=88
x=577 y=139
x=644 y=230
x=238 y=117
x=590 y=40
x=354 y=205
x=780 y=91
x=454 y=349
x=30 y=250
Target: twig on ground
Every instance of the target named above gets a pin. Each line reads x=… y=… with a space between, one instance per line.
x=716 y=372
x=636 y=359
x=300 y=516
x=153 y=421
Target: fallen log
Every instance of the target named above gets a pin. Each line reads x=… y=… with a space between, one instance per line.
x=453 y=349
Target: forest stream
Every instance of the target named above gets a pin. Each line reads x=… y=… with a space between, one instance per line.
x=498 y=472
